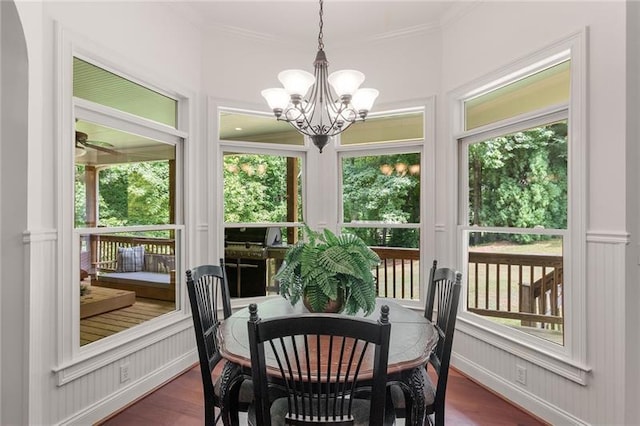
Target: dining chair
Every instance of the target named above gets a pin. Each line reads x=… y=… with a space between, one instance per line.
x=443 y=293
x=207 y=285
x=321 y=360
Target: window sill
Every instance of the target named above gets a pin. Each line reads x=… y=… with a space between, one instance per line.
x=113 y=348
x=557 y=363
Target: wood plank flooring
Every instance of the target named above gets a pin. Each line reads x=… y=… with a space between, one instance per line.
x=103 y=325
x=180 y=402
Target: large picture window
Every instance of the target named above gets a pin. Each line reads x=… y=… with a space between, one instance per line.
x=126 y=208
x=263 y=199
x=517 y=220
x=381 y=198
x=521 y=194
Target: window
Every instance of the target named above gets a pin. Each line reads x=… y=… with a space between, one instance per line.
x=127 y=212
x=520 y=202
x=382 y=189
x=383 y=193
x=262 y=188
x=103 y=87
x=263 y=199
x=518 y=182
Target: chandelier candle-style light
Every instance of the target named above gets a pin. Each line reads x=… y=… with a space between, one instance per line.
x=320 y=114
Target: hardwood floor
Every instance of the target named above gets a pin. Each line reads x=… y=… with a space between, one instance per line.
x=180 y=402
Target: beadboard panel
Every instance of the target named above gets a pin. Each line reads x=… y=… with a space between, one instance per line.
x=40 y=248
x=94 y=396
x=548 y=395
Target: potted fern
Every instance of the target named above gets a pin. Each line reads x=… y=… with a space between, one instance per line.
x=330 y=273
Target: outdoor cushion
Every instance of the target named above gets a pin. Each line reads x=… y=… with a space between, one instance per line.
x=130 y=259
x=142 y=277
x=159 y=262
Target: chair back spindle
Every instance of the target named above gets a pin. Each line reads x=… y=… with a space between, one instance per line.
x=207 y=285
x=444 y=293
x=322 y=360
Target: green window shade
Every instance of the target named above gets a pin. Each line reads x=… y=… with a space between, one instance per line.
x=545 y=88
x=393 y=128
x=105 y=88
x=256 y=128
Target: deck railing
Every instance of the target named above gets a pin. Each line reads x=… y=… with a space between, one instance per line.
x=398 y=273
x=517 y=286
x=523 y=287
x=104 y=249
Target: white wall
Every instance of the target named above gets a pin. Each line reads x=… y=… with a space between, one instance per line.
x=150 y=40
x=633 y=213
x=156 y=41
x=13 y=207
x=237 y=66
x=493 y=35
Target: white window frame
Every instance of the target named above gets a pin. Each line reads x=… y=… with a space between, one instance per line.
x=424 y=147
x=569 y=360
x=246 y=147
x=74 y=361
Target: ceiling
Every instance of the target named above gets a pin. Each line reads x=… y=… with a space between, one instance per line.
x=292 y=21
x=355 y=20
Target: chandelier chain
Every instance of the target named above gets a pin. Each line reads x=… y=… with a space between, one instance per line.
x=320 y=34
x=308 y=103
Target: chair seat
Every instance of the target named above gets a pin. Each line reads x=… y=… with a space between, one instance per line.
x=397 y=395
x=359 y=411
x=245 y=395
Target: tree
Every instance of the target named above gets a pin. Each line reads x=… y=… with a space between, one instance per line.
x=134 y=194
x=383 y=188
x=520 y=180
x=255 y=188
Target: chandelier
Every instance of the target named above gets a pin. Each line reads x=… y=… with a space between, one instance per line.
x=308 y=103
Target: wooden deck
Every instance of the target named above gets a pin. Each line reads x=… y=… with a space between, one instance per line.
x=99 y=326
x=100 y=300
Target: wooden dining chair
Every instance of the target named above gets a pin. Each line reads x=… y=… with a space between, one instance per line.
x=443 y=293
x=207 y=285
x=321 y=360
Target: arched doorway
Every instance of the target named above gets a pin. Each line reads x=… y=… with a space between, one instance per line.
x=13 y=215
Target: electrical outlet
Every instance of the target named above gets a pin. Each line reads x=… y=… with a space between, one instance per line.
x=521 y=375
x=124 y=373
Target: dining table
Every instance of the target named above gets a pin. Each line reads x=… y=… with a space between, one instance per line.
x=413 y=338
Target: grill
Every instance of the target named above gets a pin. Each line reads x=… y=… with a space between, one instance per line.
x=247 y=253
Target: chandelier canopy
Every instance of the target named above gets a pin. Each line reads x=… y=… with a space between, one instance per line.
x=308 y=103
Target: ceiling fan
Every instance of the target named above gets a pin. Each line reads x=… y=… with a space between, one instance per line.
x=83 y=142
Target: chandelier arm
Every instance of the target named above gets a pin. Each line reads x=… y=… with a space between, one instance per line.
x=322 y=114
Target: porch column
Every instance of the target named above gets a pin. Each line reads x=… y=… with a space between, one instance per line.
x=91 y=214
x=292 y=198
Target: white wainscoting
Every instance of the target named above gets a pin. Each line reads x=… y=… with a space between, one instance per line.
x=96 y=395
x=551 y=397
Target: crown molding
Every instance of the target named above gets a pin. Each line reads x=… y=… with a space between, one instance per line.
x=250 y=34
x=457 y=11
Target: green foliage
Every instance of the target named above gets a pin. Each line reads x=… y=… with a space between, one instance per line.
x=328 y=266
x=255 y=188
x=383 y=188
x=134 y=194
x=80 y=201
x=520 y=181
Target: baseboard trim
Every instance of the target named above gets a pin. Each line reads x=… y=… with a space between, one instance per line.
x=108 y=407
x=526 y=401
